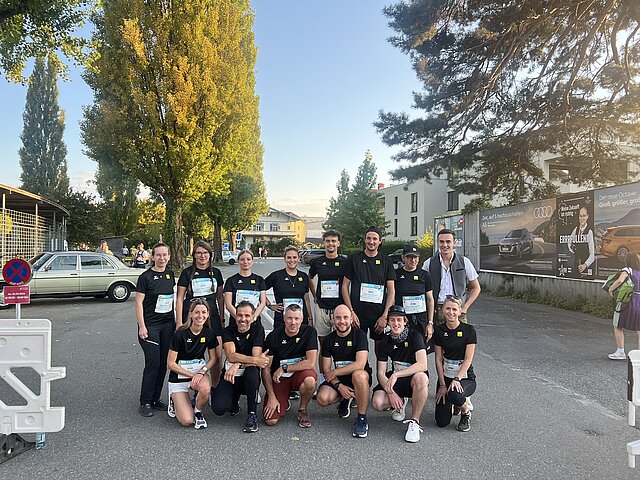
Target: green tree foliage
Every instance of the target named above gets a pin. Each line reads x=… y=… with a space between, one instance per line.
x=356 y=207
x=43 y=156
x=174 y=97
x=86 y=223
x=150 y=222
x=504 y=80
x=119 y=193
x=37 y=28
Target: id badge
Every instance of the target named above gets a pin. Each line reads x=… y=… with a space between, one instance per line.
x=329 y=289
x=202 y=287
x=164 y=303
x=415 y=304
x=371 y=293
x=290 y=361
x=291 y=301
x=251 y=296
x=452 y=367
x=228 y=365
x=192 y=366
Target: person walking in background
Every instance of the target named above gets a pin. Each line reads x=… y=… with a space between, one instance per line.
x=141 y=257
x=104 y=248
x=626 y=315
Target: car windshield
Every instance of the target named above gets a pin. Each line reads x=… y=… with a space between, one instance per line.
x=517 y=233
x=39 y=260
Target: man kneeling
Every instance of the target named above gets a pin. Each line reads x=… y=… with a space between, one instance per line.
x=408 y=378
x=351 y=377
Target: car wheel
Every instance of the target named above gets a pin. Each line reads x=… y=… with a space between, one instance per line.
x=622 y=253
x=231 y=261
x=119 y=292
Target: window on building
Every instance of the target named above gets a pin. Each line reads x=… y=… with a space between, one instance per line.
x=258 y=227
x=452 y=201
x=414 y=202
x=395 y=227
x=395 y=206
x=414 y=226
x=558 y=173
x=274 y=227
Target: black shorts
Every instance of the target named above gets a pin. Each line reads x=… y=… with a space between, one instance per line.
x=402 y=386
x=369 y=325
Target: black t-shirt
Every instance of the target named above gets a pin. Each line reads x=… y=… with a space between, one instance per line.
x=204 y=284
x=242 y=287
x=283 y=347
x=454 y=343
x=191 y=347
x=362 y=269
x=344 y=349
x=287 y=286
x=413 y=284
x=402 y=354
x=157 y=288
x=330 y=271
x=244 y=342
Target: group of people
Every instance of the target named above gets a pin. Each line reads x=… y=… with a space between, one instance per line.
x=408 y=313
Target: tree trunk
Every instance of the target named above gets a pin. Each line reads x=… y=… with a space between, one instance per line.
x=217 y=238
x=174 y=233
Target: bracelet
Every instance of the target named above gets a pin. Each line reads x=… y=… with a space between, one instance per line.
x=337 y=384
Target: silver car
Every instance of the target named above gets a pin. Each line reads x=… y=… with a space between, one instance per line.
x=80 y=274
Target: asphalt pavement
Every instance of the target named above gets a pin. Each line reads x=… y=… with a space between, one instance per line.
x=549 y=404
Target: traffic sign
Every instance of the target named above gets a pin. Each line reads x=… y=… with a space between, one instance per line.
x=17 y=294
x=16 y=272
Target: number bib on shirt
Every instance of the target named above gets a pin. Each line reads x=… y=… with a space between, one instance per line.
x=452 y=367
x=290 y=361
x=371 y=293
x=228 y=365
x=164 y=303
x=415 y=304
x=399 y=366
x=251 y=296
x=202 y=287
x=329 y=289
x=291 y=301
x=192 y=366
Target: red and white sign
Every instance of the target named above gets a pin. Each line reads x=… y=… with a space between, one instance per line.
x=16 y=272
x=17 y=294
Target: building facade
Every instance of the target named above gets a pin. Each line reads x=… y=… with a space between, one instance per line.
x=274 y=226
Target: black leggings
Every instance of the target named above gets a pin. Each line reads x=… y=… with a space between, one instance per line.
x=227 y=395
x=156 y=348
x=444 y=411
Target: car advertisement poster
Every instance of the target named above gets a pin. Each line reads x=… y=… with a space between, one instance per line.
x=519 y=238
x=616 y=226
x=454 y=223
x=576 y=251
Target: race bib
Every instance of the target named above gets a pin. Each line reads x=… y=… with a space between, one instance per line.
x=228 y=365
x=399 y=366
x=164 y=303
x=342 y=363
x=191 y=366
x=452 y=367
x=329 y=289
x=202 y=287
x=290 y=361
x=371 y=293
x=251 y=296
x=415 y=304
x=291 y=301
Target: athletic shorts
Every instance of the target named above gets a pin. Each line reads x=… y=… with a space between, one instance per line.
x=369 y=325
x=286 y=386
x=323 y=321
x=402 y=386
x=179 y=387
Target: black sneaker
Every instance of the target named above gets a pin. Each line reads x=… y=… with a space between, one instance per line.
x=146 y=410
x=159 y=405
x=294 y=395
x=360 y=427
x=344 y=408
x=252 y=423
x=464 y=425
x=234 y=410
x=199 y=421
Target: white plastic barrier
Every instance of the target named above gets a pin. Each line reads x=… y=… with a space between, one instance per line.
x=633 y=395
x=27 y=343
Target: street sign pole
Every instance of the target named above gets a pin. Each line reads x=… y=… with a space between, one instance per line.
x=18 y=306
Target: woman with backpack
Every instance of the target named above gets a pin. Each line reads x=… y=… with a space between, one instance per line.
x=627 y=314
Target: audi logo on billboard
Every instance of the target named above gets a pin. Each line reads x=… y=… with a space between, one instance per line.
x=543 y=212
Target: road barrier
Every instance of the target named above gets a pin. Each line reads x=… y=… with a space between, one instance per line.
x=633 y=395
x=27 y=343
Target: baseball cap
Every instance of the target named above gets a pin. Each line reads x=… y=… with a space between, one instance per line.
x=396 y=310
x=410 y=249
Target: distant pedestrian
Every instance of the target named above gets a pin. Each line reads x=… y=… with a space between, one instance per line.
x=125 y=251
x=141 y=258
x=626 y=315
x=104 y=248
x=260 y=252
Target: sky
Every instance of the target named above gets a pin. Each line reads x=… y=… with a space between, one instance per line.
x=324 y=71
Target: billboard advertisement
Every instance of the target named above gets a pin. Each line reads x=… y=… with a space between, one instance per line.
x=575 y=236
x=616 y=226
x=519 y=238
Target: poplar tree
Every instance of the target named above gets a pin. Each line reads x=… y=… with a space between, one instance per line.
x=43 y=152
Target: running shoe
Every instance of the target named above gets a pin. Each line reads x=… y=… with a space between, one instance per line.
x=146 y=410
x=413 y=431
x=464 y=425
x=360 y=427
x=171 y=409
x=159 y=405
x=618 y=355
x=304 y=421
x=252 y=423
x=200 y=422
x=234 y=410
x=344 y=408
x=294 y=395
x=398 y=415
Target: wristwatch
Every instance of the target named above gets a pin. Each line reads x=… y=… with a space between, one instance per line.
x=285 y=367
x=204 y=369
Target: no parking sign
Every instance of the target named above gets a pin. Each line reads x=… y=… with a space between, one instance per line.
x=16 y=272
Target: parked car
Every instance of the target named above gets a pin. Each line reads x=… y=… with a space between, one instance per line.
x=517 y=243
x=80 y=274
x=229 y=256
x=396 y=258
x=619 y=241
x=311 y=255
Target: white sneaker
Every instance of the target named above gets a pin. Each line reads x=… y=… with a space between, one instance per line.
x=413 y=431
x=398 y=415
x=469 y=404
x=171 y=409
x=618 y=355
x=199 y=422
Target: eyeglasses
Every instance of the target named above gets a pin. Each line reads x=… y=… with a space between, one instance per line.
x=202 y=254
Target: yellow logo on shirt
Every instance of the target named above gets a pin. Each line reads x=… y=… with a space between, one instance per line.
x=377 y=262
x=349 y=343
x=459 y=334
x=203 y=340
x=299 y=279
x=297 y=340
x=416 y=277
x=406 y=344
x=167 y=276
x=337 y=264
x=253 y=281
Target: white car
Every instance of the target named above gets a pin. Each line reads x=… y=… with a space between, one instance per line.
x=229 y=257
